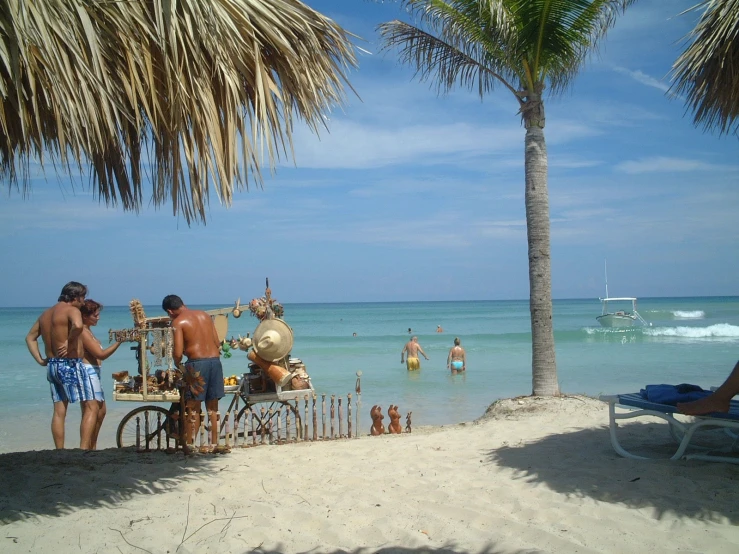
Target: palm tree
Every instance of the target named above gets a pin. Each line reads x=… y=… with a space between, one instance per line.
x=707 y=73
x=188 y=94
x=525 y=46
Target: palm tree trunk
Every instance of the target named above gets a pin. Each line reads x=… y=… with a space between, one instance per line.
x=544 y=364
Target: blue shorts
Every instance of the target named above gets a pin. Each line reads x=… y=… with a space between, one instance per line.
x=457 y=365
x=211 y=371
x=93 y=374
x=68 y=380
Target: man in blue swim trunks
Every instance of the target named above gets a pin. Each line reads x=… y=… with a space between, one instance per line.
x=60 y=327
x=457 y=358
x=195 y=336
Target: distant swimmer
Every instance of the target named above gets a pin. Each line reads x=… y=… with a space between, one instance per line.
x=410 y=330
x=439 y=329
x=412 y=348
x=354 y=334
x=457 y=359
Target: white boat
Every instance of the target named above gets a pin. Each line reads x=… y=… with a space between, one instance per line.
x=621 y=317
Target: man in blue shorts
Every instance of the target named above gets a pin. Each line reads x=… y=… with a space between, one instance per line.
x=195 y=336
x=60 y=327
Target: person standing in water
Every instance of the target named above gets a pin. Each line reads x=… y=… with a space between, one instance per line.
x=412 y=348
x=457 y=358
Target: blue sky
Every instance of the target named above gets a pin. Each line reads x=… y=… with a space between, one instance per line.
x=412 y=196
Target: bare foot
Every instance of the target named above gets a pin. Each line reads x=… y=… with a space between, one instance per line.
x=705 y=405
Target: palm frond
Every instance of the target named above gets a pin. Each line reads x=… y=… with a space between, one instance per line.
x=197 y=93
x=707 y=73
x=524 y=43
x=556 y=36
x=453 y=42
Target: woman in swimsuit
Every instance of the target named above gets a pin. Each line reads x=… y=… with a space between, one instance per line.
x=457 y=359
x=93 y=358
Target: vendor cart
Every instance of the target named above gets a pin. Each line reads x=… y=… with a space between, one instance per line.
x=272 y=386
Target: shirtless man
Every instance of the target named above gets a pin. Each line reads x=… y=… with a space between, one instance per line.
x=457 y=358
x=195 y=336
x=719 y=401
x=60 y=327
x=412 y=348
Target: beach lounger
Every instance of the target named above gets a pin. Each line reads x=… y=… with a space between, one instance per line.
x=681 y=431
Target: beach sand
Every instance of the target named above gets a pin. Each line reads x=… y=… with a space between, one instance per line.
x=532 y=475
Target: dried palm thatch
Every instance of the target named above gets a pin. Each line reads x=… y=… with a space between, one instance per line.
x=195 y=93
x=707 y=73
x=190 y=380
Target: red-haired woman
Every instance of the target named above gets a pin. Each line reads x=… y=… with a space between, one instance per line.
x=92 y=359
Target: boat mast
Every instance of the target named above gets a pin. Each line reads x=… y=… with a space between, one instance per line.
x=605 y=267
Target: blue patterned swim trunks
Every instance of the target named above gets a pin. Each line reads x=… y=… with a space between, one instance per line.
x=93 y=374
x=69 y=380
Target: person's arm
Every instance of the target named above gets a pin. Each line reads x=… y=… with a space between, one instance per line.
x=75 y=330
x=422 y=352
x=449 y=358
x=215 y=336
x=178 y=349
x=32 y=343
x=91 y=345
x=464 y=359
x=402 y=353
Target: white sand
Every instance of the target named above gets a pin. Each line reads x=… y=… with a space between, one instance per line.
x=536 y=475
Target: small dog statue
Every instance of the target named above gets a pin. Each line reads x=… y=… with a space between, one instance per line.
x=408 y=422
x=377 y=427
x=394 y=426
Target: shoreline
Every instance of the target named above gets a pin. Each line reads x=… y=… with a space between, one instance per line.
x=531 y=474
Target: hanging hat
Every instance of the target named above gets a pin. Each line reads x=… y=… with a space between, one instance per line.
x=273 y=339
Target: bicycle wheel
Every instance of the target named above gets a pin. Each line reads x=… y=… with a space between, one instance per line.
x=154 y=426
x=251 y=419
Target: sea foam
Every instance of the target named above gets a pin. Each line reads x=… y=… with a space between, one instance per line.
x=692 y=314
x=719 y=330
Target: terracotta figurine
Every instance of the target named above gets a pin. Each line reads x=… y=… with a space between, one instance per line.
x=394 y=426
x=377 y=427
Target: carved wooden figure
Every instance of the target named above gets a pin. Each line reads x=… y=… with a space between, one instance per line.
x=377 y=427
x=394 y=425
x=408 y=422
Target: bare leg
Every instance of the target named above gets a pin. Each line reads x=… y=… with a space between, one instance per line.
x=87 y=425
x=102 y=410
x=718 y=401
x=57 y=423
x=212 y=407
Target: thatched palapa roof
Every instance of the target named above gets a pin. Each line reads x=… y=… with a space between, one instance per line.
x=188 y=94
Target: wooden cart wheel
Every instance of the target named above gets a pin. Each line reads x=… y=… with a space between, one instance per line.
x=155 y=425
x=256 y=423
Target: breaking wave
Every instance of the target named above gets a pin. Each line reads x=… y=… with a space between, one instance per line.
x=692 y=314
x=718 y=331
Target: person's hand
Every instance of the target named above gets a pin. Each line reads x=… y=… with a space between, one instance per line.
x=44 y=361
x=62 y=350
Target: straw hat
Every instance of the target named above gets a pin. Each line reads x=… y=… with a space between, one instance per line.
x=273 y=339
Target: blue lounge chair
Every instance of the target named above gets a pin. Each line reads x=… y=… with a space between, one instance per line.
x=681 y=431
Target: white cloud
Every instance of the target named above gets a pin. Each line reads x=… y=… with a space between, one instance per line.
x=668 y=164
x=644 y=79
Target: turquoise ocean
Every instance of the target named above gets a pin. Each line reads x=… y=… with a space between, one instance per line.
x=690 y=340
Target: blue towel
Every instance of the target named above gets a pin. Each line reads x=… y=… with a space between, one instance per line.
x=672 y=394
